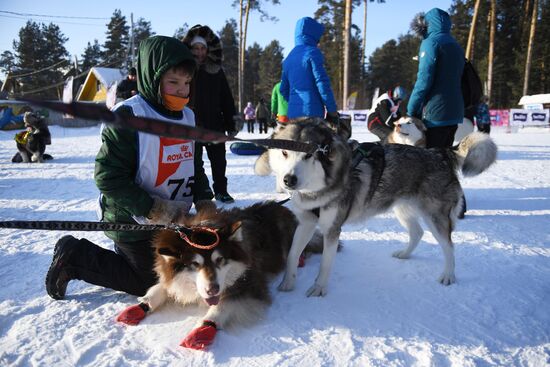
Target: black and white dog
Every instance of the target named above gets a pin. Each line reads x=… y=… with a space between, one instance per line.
x=328 y=190
x=31 y=143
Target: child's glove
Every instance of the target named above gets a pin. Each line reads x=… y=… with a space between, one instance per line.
x=167 y=211
x=133 y=314
x=200 y=337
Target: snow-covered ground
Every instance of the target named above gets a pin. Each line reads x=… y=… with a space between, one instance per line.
x=379 y=311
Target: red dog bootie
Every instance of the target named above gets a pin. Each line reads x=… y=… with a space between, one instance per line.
x=201 y=337
x=133 y=314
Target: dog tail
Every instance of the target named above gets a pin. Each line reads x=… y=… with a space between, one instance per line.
x=475 y=153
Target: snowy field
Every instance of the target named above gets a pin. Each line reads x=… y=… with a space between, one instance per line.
x=380 y=311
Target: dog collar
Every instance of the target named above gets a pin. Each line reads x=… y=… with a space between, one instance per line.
x=184 y=237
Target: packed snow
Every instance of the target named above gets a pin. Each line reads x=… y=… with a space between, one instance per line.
x=379 y=311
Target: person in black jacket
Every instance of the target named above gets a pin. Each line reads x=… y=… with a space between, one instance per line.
x=212 y=101
x=128 y=87
x=386 y=111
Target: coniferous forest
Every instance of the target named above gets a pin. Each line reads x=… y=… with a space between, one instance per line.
x=38 y=64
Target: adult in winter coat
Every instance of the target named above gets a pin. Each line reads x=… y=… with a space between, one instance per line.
x=249 y=116
x=212 y=101
x=262 y=114
x=279 y=105
x=437 y=94
x=141 y=177
x=128 y=87
x=304 y=82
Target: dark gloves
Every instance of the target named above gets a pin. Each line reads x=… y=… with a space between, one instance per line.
x=200 y=337
x=133 y=314
x=333 y=118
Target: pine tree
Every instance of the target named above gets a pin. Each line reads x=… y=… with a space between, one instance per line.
x=115 y=53
x=41 y=56
x=230 y=49
x=142 y=30
x=269 y=69
x=251 y=73
x=91 y=56
x=7 y=61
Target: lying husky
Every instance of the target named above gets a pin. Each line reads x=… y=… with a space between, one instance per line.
x=328 y=191
x=408 y=131
x=231 y=278
x=31 y=143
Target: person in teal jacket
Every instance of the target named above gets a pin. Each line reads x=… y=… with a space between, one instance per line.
x=142 y=178
x=437 y=94
x=304 y=82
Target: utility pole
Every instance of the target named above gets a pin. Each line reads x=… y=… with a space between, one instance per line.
x=132 y=48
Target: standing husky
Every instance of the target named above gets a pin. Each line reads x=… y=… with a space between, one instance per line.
x=231 y=277
x=327 y=191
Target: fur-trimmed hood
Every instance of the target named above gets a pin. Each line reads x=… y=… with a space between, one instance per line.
x=214 y=57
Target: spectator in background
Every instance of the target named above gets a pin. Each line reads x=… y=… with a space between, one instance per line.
x=437 y=94
x=249 y=117
x=381 y=120
x=128 y=87
x=279 y=105
x=304 y=82
x=262 y=114
x=483 y=118
x=212 y=102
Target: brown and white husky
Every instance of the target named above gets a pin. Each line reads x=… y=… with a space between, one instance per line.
x=231 y=278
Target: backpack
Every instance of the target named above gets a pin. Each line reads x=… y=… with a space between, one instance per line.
x=472 y=89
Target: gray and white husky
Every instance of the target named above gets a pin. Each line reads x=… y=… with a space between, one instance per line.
x=327 y=191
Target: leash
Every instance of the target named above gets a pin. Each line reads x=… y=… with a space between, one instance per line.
x=96 y=112
x=185 y=233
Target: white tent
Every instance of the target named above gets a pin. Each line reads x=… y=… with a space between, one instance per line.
x=535 y=99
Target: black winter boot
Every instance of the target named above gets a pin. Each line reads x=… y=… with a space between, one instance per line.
x=58 y=276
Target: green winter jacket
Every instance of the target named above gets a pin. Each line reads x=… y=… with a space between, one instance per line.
x=279 y=105
x=116 y=163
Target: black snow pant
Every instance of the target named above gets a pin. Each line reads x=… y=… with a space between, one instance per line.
x=263 y=125
x=128 y=269
x=250 y=126
x=440 y=137
x=216 y=156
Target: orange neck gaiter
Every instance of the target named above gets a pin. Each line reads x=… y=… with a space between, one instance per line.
x=174 y=103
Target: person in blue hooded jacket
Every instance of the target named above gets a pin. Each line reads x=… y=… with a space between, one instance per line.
x=304 y=82
x=437 y=94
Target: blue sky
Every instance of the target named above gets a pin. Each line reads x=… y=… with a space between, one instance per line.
x=384 y=21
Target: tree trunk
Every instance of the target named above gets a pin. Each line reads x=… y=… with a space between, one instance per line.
x=239 y=65
x=493 y=23
x=243 y=49
x=347 y=25
x=472 y=30
x=530 y=47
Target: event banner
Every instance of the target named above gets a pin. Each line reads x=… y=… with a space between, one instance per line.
x=519 y=117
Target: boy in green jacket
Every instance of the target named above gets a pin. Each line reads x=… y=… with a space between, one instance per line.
x=141 y=177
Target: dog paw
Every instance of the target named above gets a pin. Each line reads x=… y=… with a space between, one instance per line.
x=316 y=290
x=401 y=254
x=447 y=279
x=287 y=284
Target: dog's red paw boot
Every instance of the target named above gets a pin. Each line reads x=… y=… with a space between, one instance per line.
x=302 y=261
x=133 y=314
x=200 y=337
